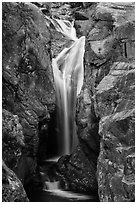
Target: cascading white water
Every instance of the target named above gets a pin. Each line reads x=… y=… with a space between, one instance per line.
x=68 y=76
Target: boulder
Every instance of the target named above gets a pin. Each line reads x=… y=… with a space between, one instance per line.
x=77 y=173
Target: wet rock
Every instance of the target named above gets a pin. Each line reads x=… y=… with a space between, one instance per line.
x=12 y=189
x=77 y=172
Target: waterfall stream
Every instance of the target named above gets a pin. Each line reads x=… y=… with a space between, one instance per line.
x=68 y=76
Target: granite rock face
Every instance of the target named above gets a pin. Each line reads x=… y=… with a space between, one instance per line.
x=106 y=105
x=110 y=58
x=115 y=106
x=27 y=74
x=28 y=90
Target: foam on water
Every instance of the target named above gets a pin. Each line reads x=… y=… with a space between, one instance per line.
x=53 y=159
x=68 y=194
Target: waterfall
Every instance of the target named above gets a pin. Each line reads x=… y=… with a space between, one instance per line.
x=68 y=74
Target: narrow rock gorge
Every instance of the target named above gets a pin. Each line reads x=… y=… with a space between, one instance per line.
x=102 y=165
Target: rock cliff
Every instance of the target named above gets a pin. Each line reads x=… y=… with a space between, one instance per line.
x=28 y=92
x=110 y=78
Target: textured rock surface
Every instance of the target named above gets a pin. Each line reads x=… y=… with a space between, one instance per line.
x=12 y=146
x=28 y=92
x=12 y=138
x=108 y=97
x=111 y=60
x=12 y=189
x=77 y=172
x=27 y=74
x=115 y=106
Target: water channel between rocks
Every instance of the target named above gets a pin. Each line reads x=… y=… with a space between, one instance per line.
x=68 y=74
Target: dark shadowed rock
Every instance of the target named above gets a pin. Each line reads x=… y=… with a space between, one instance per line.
x=28 y=92
x=12 y=189
x=77 y=172
x=87 y=124
x=80 y=16
x=27 y=74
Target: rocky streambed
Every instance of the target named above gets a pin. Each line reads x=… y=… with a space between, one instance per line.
x=103 y=162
